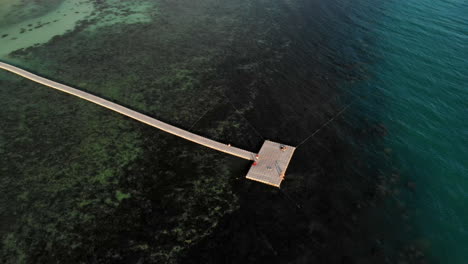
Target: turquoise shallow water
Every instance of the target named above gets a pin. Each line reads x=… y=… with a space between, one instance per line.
x=419 y=82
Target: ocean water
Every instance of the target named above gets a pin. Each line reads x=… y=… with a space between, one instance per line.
x=419 y=77
x=385 y=182
x=419 y=93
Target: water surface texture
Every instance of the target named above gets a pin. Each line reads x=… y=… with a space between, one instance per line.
x=385 y=182
x=420 y=79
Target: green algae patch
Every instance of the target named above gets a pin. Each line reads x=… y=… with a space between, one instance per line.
x=121 y=196
x=111 y=12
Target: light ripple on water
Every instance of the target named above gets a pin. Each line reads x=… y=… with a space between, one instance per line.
x=423 y=74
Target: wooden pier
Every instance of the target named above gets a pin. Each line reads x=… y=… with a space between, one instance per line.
x=269 y=165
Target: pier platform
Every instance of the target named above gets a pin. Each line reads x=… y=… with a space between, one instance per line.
x=271 y=163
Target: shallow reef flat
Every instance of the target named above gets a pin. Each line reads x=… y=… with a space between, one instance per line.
x=35 y=30
x=26 y=25
x=104 y=170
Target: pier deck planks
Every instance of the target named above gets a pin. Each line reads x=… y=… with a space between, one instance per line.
x=271 y=165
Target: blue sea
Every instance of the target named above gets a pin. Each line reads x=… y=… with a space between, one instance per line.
x=417 y=88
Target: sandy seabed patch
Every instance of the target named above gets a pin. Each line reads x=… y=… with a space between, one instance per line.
x=41 y=29
x=7 y=7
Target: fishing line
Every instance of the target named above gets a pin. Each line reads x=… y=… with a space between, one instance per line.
x=237 y=110
x=325 y=124
x=338 y=114
x=291 y=199
x=204 y=114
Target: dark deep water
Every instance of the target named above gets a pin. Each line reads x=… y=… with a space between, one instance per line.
x=385 y=182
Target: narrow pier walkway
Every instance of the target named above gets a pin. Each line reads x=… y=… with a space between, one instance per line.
x=261 y=169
